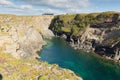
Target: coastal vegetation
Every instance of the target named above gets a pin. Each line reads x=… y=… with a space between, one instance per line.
x=93 y=32
x=75 y=23
x=18 y=69
x=21 y=37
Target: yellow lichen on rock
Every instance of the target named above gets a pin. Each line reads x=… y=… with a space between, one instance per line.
x=25 y=31
x=14 y=69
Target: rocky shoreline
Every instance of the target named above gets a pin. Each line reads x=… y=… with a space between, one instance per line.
x=101 y=37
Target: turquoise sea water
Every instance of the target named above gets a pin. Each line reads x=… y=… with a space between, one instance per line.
x=86 y=65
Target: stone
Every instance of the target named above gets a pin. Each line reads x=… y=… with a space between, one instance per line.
x=23 y=36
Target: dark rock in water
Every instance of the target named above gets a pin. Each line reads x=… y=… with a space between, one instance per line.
x=117 y=51
x=104 y=50
x=1 y=77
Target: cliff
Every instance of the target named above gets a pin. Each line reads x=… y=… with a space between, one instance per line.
x=22 y=36
x=20 y=39
x=27 y=69
x=95 y=32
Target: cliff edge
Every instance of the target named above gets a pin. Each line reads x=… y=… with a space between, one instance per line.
x=22 y=36
x=20 y=39
x=94 y=32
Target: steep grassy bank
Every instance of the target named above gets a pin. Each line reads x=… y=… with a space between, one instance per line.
x=76 y=23
x=96 y=32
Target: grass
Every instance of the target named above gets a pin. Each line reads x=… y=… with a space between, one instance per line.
x=17 y=69
x=28 y=69
x=65 y=29
x=79 y=22
x=67 y=17
x=75 y=30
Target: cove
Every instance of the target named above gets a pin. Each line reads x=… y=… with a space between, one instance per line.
x=85 y=65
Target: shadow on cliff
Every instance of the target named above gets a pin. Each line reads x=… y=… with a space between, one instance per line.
x=52 y=24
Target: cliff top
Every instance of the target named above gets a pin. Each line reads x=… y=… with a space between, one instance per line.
x=12 y=69
x=21 y=37
x=75 y=23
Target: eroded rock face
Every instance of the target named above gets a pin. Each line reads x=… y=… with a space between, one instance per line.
x=100 y=32
x=23 y=36
x=103 y=41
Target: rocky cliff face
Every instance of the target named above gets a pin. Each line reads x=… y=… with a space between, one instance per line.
x=95 y=32
x=100 y=40
x=22 y=36
x=31 y=69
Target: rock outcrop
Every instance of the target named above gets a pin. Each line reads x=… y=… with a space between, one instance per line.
x=22 y=36
x=31 y=69
x=95 y=32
